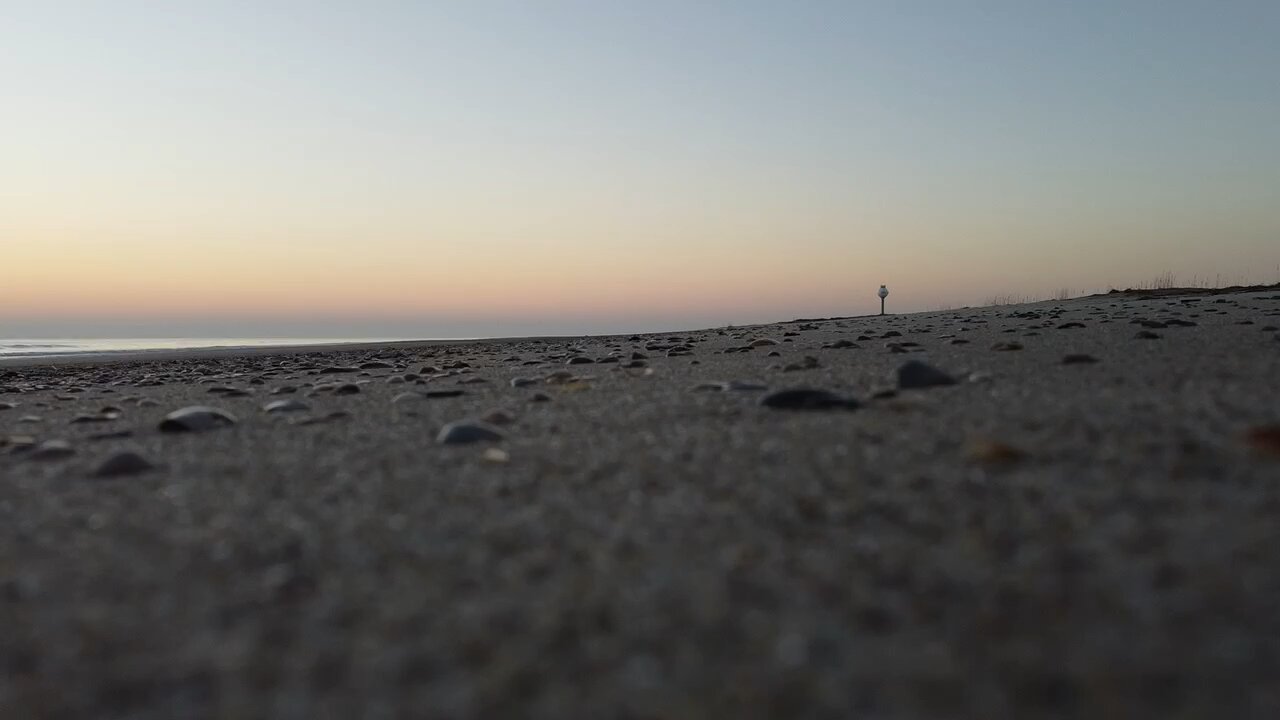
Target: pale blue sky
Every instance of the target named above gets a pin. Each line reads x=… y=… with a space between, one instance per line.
x=629 y=164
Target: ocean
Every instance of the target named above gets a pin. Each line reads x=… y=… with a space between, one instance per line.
x=19 y=347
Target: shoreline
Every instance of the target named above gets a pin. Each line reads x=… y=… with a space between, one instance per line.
x=90 y=358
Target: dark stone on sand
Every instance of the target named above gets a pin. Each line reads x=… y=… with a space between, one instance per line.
x=808 y=363
x=959 y=341
x=111 y=435
x=122 y=464
x=376 y=365
x=523 y=382
x=915 y=374
x=539 y=397
x=841 y=345
x=281 y=406
x=891 y=333
x=1070 y=326
x=284 y=390
x=347 y=389
x=197 y=418
x=1078 y=359
x=1006 y=347
x=7 y=405
x=321 y=419
x=579 y=360
x=807 y=399
x=337 y=369
x=432 y=394
x=462 y=433
x=1147 y=335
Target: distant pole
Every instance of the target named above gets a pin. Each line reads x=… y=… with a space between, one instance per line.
x=883 y=293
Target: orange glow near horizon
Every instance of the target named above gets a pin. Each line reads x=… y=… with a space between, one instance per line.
x=755 y=164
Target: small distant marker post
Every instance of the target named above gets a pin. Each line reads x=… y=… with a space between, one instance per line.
x=883 y=293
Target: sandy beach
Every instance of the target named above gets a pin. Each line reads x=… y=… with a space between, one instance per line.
x=1062 y=509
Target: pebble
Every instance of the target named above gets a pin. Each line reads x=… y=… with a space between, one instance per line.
x=7 y=405
x=807 y=399
x=463 y=432
x=347 y=389
x=123 y=463
x=52 y=450
x=376 y=365
x=197 y=418
x=915 y=374
x=808 y=363
x=579 y=360
x=338 y=369
x=1078 y=359
x=730 y=386
x=498 y=417
x=320 y=419
x=1264 y=439
x=523 y=382
x=993 y=452
x=1146 y=335
x=280 y=406
x=111 y=435
x=1006 y=347
x=841 y=345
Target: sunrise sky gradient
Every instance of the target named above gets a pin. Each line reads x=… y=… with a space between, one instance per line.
x=446 y=169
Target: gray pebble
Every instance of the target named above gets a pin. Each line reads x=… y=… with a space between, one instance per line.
x=197 y=418
x=461 y=433
x=123 y=463
x=52 y=450
x=915 y=374
x=280 y=406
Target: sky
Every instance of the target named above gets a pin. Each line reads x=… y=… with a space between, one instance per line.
x=484 y=167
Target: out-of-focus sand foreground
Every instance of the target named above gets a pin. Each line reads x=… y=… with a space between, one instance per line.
x=1058 y=509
